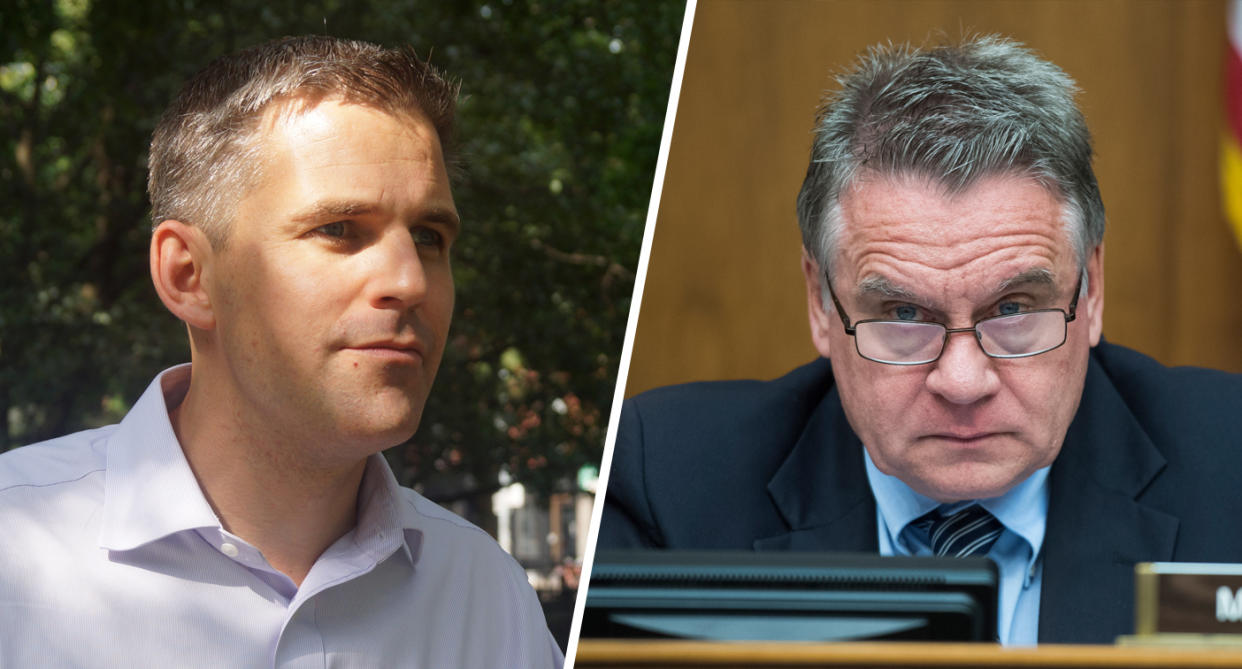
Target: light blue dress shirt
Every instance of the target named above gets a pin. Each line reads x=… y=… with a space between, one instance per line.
x=1017 y=553
x=112 y=557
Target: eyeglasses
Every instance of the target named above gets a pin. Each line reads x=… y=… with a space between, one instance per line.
x=1018 y=335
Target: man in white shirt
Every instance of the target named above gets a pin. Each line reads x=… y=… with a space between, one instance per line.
x=241 y=515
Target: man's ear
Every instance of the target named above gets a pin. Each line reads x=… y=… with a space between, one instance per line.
x=179 y=254
x=815 y=303
x=1095 y=294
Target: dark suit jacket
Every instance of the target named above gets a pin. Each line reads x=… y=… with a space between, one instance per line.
x=1151 y=470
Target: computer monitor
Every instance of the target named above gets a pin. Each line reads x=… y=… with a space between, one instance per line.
x=789 y=596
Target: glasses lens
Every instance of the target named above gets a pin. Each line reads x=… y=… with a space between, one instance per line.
x=1022 y=334
x=894 y=341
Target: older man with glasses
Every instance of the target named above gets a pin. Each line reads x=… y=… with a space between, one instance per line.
x=966 y=403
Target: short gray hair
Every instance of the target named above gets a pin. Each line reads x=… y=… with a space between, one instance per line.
x=954 y=114
x=204 y=154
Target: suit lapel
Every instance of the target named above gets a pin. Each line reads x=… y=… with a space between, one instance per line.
x=821 y=490
x=1097 y=530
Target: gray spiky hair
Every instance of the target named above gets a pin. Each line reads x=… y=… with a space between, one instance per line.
x=953 y=114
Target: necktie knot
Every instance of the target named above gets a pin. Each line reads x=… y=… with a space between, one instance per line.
x=970 y=531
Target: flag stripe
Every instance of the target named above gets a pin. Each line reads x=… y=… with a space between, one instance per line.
x=1230 y=153
x=1231 y=182
x=1233 y=89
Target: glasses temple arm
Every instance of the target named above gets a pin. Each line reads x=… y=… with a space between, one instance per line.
x=845 y=320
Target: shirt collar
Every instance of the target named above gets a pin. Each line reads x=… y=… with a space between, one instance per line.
x=150 y=491
x=385 y=523
x=1023 y=510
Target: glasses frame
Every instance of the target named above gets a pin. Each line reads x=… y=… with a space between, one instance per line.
x=1069 y=314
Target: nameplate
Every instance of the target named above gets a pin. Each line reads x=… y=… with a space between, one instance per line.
x=1187 y=598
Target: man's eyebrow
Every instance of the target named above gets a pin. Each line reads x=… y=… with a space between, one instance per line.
x=443 y=216
x=323 y=210
x=879 y=286
x=874 y=285
x=1039 y=276
x=326 y=209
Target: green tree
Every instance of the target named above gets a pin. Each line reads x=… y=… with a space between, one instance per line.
x=559 y=131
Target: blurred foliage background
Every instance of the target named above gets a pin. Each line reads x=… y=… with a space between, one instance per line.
x=559 y=129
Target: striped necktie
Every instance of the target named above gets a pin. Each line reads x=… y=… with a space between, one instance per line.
x=970 y=531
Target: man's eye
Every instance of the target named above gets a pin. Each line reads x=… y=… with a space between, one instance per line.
x=906 y=312
x=335 y=229
x=424 y=236
x=1009 y=308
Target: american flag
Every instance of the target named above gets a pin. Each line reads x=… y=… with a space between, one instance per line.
x=1231 y=139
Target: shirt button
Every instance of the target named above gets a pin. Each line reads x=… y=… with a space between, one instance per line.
x=228 y=549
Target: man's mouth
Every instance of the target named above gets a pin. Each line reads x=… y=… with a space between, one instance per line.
x=963 y=437
x=397 y=350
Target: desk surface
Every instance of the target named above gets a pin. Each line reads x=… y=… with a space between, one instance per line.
x=615 y=654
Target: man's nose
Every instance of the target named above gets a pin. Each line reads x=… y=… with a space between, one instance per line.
x=964 y=374
x=398 y=279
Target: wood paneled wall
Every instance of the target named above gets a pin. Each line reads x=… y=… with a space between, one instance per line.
x=724 y=297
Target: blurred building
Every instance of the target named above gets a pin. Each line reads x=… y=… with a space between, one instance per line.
x=549 y=540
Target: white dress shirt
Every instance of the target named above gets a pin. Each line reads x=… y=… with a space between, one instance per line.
x=110 y=556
